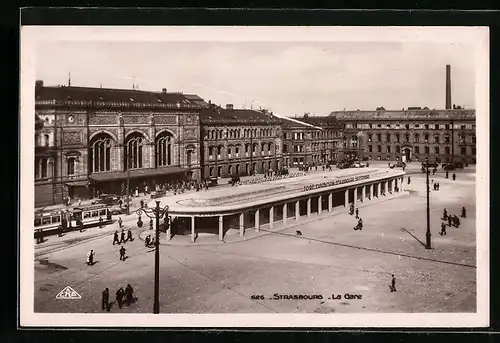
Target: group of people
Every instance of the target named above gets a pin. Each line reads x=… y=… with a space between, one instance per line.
x=306 y=168
x=122 y=237
x=353 y=211
x=149 y=241
x=123 y=296
x=435 y=185
x=451 y=219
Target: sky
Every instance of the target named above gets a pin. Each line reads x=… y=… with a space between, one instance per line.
x=288 y=78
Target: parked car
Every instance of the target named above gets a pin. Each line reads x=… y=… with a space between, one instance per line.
x=430 y=164
x=400 y=164
x=108 y=199
x=452 y=166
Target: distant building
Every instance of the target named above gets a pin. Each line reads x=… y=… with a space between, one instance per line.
x=239 y=142
x=441 y=135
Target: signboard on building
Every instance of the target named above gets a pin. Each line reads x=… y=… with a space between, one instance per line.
x=336 y=182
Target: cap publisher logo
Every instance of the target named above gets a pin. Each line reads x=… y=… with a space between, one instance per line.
x=68 y=293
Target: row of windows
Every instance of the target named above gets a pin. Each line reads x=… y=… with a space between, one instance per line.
x=436 y=150
x=236 y=149
x=239 y=133
x=410 y=126
x=416 y=138
x=236 y=169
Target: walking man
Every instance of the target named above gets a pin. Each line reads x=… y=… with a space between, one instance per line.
x=122 y=236
x=129 y=235
x=449 y=221
x=100 y=222
x=129 y=295
x=147 y=240
x=122 y=253
x=115 y=238
x=446 y=174
x=393 y=284
x=409 y=180
x=105 y=300
x=463 y=212
x=445 y=214
x=90 y=258
x=119 y=297
x=120 y=222
x=454 y=176
x=456 y=221
x=357 y=213
x=443 y=229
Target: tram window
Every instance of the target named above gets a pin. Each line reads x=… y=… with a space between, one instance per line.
x=86 y=215
x=38 y=222
x=102 y=212
x=56 y=219
x=46 y=221
x=95 y=213
x=76 y=216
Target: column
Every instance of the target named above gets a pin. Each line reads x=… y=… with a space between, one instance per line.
x=257 y=223
x=379 y=185
x=355 y=195
x=320 y=204
x=285 y=213
x=308 y=207
x=221 y=228
x=371 y=191
x=346 y=198
x=386 y=190
x=395 y=184
x=389 y=185
x=297 y=210
x=330 y=202
x=242 y=223
x=363 y=193
x=193 y=235
x=271 y=217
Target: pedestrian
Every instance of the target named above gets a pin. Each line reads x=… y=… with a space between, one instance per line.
x=433 y=171
x=449 y=221
x=409 y=180
x=129 y=295
x=147 y=240
x=463 y=212
x=100 y=222
x=151 y=224
x=120 y=222
x=456 y=221
x=119 y=297
x=443 y=229
x=392 y=287
x=360 y=224
x=122 y=236
x=142 y=203
x=115 y=238
x=90 y=258
x=152 y=242
x=105 y=299
x=357 y=213
x=437 y=187
x=351 y=209
x=122 y=253
x=446 y=174
x=129 y=235
x=445 y=214
x=454 y=176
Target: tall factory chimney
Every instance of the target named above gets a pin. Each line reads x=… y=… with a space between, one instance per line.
x=448 y=87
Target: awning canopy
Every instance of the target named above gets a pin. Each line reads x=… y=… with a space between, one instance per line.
x=136 y=173
x=77 y=183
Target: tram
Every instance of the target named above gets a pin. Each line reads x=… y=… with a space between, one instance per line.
x=51 y=222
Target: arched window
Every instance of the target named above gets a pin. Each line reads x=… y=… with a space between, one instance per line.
x=212 y=134
x=71 y=166
x=100 y=154
x=133 y=151
x=269 y=146
x=164 y=149
x=46 y=140
x=189 y=154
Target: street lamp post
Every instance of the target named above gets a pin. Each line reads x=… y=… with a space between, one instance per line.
x=156 y=213
x=428 y=233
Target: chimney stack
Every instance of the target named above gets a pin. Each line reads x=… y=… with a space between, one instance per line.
x=164 y=91
x=229 y=106
x=38 y=84
x=448 y=87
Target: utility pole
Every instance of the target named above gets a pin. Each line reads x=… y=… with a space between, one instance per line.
x=428 y=233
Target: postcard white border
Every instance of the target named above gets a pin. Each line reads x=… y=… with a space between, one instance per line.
x=32 y=35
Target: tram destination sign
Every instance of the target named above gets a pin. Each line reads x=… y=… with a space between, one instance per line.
x=336 y=182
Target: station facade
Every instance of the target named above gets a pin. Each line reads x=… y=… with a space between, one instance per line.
x=91 y=140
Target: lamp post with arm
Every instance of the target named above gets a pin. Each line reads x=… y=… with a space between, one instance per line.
x=428 y=232
x=156 y=213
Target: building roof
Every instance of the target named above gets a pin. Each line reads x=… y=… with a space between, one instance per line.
x=215 y=114
x=322 y=121
x=455 y=114
x=106 y=96
x=294 y=123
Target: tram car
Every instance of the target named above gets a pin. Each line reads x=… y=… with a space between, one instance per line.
x=78 y=218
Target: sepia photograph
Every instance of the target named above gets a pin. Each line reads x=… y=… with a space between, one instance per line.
x=254 y=177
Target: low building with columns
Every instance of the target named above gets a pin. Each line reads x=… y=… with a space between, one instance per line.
x=92 y=139
x=281 y=202
x=239 y=142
